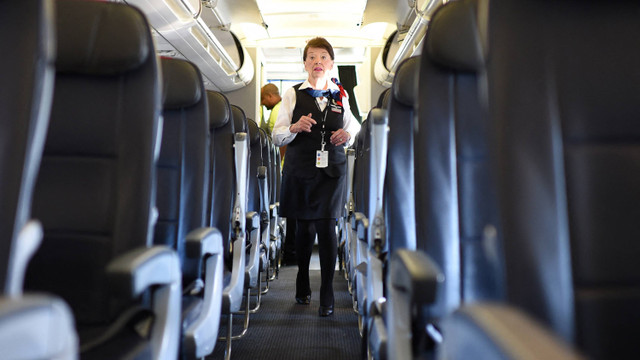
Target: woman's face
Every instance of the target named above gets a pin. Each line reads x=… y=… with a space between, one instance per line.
x=318 y=63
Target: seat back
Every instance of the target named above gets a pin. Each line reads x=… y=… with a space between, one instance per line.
x=256 y=230
x=399 y=209
x=224 y=195
x=25 y=102
x=255 y=160
x=222 y=170
x=96 y=188
x=182 y=168
x=455 y=202
x=269 y=160
x=399 y=179
x=241 y=126
x=278 y=173
x=235 y=283
x=266 y=184
x=362 y=145
x=362 y=210
x=31 y=326
x=564 y=102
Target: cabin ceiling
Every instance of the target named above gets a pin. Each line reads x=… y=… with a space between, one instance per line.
x=280 y=28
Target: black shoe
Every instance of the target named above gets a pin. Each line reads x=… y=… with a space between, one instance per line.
x=325 y=311
x=304 y=300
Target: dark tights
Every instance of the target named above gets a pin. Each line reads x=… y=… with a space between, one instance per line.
x=327 y=249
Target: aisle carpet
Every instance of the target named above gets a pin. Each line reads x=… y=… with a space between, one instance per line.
x=284 y=330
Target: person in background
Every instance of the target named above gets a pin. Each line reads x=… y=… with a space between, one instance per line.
x=270 y=98
x=315 y=122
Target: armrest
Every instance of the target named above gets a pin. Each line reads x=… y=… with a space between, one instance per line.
x=155 y=268
x=374 y=281
x=262 y=172
x=356 y=219
x=263 y=186
x=253 y=264
x=202 y=242
x=232 y=293
x=139 y=269
x=274 y=222
x=351 y=156
x=26 y=244
x=37 y=327
x=200 y=336
x=253 y=220
x=491 y=331
x=412 y=282
x=241 y=155
x=361 y=224
x=414 y=273
x=377 y=330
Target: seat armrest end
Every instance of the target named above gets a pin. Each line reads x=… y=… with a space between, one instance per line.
x=133 y=272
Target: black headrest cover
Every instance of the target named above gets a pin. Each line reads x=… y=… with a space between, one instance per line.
x=181 y=83
x=254 y=133
x=453 y=39
x=239 y=119
x=264 y=138
x=219 y=109
x=383 y=99
x=405 y=81
x=86 y=48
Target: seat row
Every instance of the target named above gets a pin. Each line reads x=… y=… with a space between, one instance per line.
x=495 y=188
x=155 y=199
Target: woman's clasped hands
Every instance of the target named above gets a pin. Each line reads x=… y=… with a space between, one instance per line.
x=339 y=137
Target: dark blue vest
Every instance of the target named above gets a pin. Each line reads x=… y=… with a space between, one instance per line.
x=301 y=152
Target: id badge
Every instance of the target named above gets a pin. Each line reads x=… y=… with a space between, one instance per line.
x=322 y=158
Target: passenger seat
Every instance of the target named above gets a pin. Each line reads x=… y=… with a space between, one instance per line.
x=563 y=90
x=183 y=171
x=32 y=326
x=455 y=201
x=95 y=193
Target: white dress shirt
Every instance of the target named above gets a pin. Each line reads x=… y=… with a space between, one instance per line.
x=281 y=134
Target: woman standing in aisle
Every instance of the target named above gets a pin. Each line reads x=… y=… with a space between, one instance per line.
x=315 y=122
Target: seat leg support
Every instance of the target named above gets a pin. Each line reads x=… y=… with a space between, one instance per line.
x=227 y=351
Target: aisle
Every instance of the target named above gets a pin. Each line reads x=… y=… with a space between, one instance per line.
x=284 y=330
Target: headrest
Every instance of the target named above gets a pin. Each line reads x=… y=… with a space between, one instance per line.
x=453 y=39
x=405 y=81
x=239 y=119
x=219 y=109
x=378 y=116
x=181 y=82
x=358 y=144
x=85 y=48
x=254 y=132
x=265 y=140
x=383 y=99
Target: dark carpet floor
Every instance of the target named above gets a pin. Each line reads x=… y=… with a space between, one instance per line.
x=284 y=330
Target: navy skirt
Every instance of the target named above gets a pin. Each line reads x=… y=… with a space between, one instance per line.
x=316 y=196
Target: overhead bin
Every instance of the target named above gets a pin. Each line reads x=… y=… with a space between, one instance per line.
x=405 y=42
x=181 y=32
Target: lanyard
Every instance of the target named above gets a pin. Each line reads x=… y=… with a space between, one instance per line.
x=324 y=120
